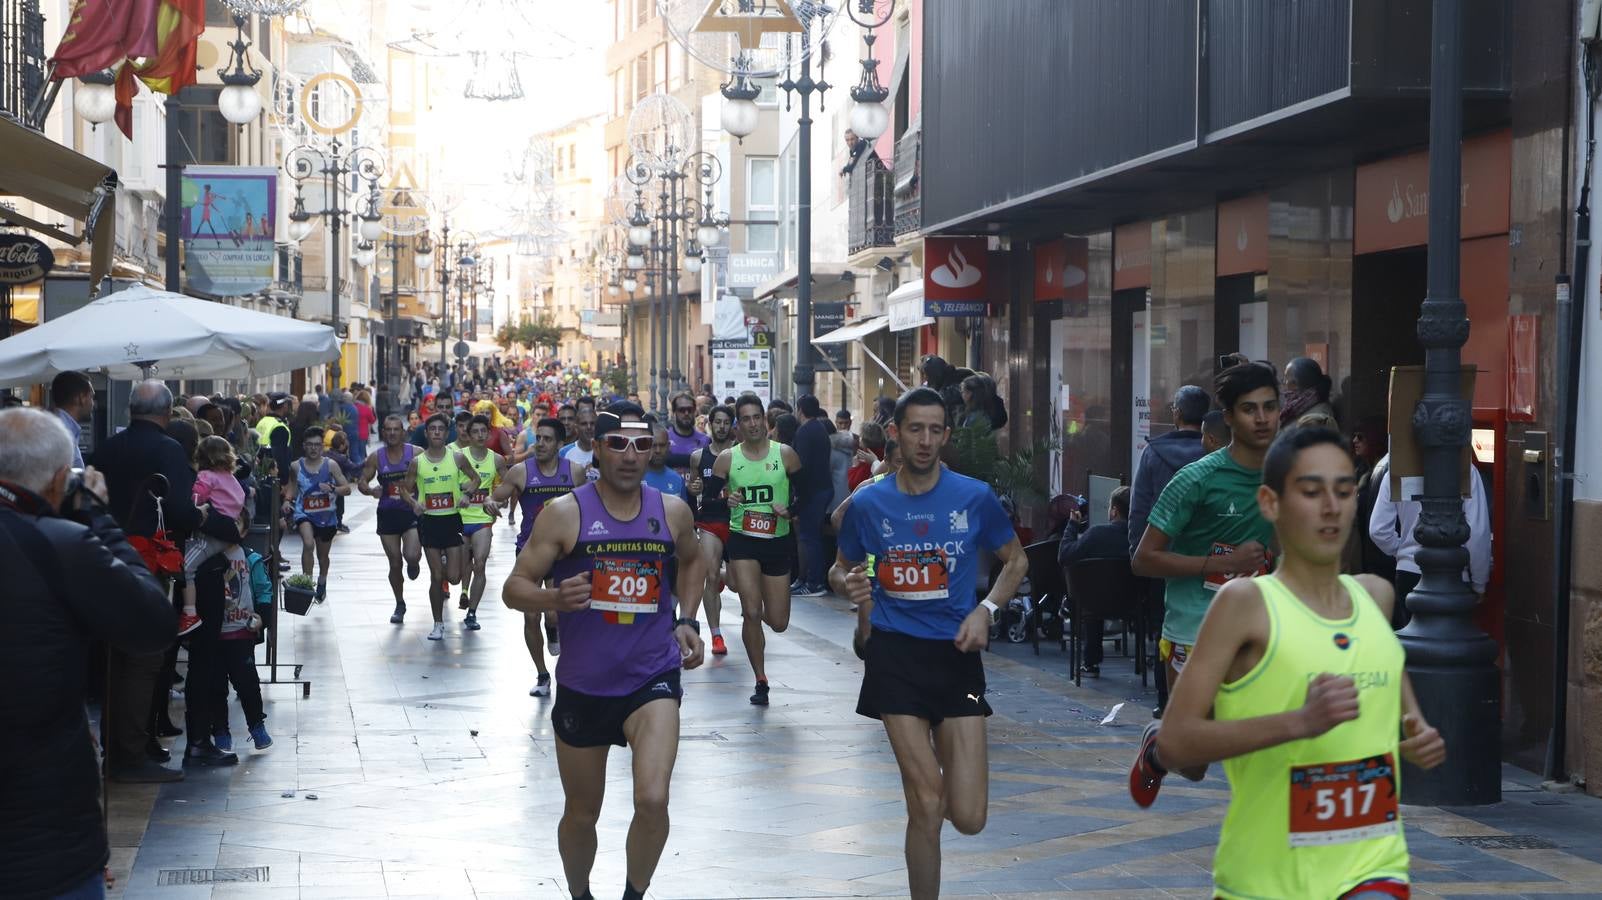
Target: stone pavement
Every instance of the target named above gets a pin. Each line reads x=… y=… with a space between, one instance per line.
x=420 y=768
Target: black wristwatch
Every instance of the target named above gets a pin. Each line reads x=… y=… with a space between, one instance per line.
x=694 y=625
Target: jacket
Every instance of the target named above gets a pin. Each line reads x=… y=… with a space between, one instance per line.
x=76 y=584
x=1165 y=455
x=134 y=454
x=1392 y=525
x=1105 y=541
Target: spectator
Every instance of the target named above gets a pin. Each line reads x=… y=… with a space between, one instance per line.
x=842 y=455
x=868 y=455
x=1215 y=431
x=978 y=401
x=351 y=424
x=1166 y=454
x=73 y=396
x=842 y=420
x=1392 y=526
x=1106 y=541
x=1306 y=390
x=442 y=406
x=365 y=417
x=306 y=415
x=815 y=489
x=70 y=578
x=884 y=411
x=324 y=401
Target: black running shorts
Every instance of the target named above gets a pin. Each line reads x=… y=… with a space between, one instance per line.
x=440 y=532
x=773 y=554
x=588 y=720
x=394 y=520
x=912 y=676
x=322 y=534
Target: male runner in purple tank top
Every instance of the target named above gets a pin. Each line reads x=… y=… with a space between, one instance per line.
x=397 y=522
x=543 y=477
x=619 y=554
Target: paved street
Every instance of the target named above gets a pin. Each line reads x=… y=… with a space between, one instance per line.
x=425 y=769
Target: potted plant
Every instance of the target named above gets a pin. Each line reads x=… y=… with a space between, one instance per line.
x=299 y=590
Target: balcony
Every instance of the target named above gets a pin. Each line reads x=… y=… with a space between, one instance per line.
x=22 y=60
x=870 y=213
x=909 y=183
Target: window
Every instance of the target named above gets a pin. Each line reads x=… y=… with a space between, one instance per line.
x=761 y=204
x=218 y=13
x=770 y=91
x=642 y=76
x=572 y=157
x=659 y=69
x=642 y=12
x=206 y=137
x=677 y=65
x=620 y=91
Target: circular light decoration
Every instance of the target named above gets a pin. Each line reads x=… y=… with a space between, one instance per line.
x=661 y=132
x=311 y=87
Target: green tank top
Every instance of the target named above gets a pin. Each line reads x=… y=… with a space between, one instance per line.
x=764 y=483
x=473 y=512
x=439 y=485
x=1315 y=817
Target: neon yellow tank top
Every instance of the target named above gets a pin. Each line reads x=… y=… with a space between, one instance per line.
x=439 y=485
x=764 y=484
x=473 y=512
x=1315 y=817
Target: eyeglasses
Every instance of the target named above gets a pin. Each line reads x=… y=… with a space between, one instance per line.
x=620 y=442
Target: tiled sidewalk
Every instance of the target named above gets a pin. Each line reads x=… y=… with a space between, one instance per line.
x=433 y=774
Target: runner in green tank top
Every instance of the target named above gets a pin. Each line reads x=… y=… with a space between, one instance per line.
x=1308 y=694
x=433 y=486
x=479 y=513
x=757 y=472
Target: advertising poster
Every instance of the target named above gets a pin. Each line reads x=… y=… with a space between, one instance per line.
x=742 y=370
x=1140 y=413
x=228 y=216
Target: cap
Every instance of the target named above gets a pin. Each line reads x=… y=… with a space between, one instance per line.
x=611 y=419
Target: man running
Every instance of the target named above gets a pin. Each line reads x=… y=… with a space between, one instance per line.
x=1206 y=528
x=309 y=491
x=397 y=521
x=712 y=517
x=582 y=450
x=478 y=512
x=433 y=487
x=757 y=472
x=1296 y=684
x=533 y=484
x=657 y=473
x=683 y=439
x=619 y=553
x=920 y=628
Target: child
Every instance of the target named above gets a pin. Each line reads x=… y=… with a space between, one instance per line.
x=218 y=492
x=237 y=647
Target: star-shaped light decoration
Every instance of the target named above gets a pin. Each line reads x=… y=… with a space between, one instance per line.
x=766 y=17
x=132 y=350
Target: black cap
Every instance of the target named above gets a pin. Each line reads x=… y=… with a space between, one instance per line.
x=611 y=419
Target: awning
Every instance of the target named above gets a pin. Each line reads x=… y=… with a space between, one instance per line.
x=830 y=281
x=45 y=172
x=905 y=305
x=856 y=331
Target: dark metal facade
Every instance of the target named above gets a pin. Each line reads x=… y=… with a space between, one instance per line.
x=871 y=210
x=22 y=59
x=1266 y=55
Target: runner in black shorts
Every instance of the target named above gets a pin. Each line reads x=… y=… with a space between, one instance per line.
x=397 y=521
x=433 y=486
x=712 y=517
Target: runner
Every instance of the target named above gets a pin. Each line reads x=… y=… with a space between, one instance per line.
x=619 y=554
x=397 y=522
x=683 y=439
x=582 y=450
x=433 y=487
x=533 y=484
x=657 y=473
x=1296 y=684
x=1205 y=528
x=757 y=473
x=712 y=518
x=479 y=512
x=920 y=629
x=309 y=493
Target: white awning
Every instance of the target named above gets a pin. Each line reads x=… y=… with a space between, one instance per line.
x=905 y=305
x=856 y=331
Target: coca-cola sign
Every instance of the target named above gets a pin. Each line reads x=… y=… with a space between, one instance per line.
x=24 y=259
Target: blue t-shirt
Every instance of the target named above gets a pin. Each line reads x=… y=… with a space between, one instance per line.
x=925 y=549
x=668 y=482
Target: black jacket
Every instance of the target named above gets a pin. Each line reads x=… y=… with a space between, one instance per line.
x=1108 y=541
x=51 y=837
x=1165 y=455
x=812 y=445
x=137 y=452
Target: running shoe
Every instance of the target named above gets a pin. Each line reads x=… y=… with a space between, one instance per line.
x=808 y=590
x=461 y=602
x=223 y=739
x=553 y=641
x=718 y=647
x=412 y=568
x=260 y=737
x=760 y=698
x=399 y=615
x=542 y=687
x=322 y=592
x=471 y=622
x=1144 y=778
x=438 y=634
x=187 y=623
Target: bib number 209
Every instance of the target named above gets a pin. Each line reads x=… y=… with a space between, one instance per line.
x=625 y=586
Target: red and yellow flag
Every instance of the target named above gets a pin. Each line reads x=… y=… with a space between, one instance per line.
x=178 y=26
x=154 y=40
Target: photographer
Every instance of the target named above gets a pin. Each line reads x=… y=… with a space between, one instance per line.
x=68 y=581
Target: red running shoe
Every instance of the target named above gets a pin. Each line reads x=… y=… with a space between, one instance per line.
x=187 y=623
x=718 y=647
x=1144 y=780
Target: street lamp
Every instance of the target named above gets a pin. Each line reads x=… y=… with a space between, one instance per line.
x=740 y=113
x=305 y=161
x=869 y=117
x=238 y=101
x=365 y=254
x=95 y=99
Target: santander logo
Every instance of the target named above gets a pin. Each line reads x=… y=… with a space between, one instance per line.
x=1394 y=209
x=957 y=272
x=1072 y=275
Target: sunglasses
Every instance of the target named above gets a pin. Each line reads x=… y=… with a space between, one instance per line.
x=620 y=442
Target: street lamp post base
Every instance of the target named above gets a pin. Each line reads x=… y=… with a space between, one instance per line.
x=1465 y=704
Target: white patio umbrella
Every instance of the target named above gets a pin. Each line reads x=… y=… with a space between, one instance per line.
x=138 y=329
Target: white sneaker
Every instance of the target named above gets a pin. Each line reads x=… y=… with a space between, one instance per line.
x=542 y=688
x=438 y=634
x=553 y=642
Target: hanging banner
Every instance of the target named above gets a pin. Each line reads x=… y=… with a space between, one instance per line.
x=1523 y=366
x=228 y=219
x=1062 y=270
x=954 y=283
x=826 y=317
x=1140 y=397
x=1243 y=235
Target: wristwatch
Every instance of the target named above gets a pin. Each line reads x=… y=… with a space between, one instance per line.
x=694 y=625
x=990 y=606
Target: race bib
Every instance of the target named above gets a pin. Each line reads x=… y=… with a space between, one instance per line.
x=914 y=575
x=438 y=501
x=625 y=586
x=477 y=498
x=1339 y=803
x=1215 y=580
x=759 y=524
x=392 y=491
x=317 y=502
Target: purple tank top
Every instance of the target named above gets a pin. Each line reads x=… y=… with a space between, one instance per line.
x=391 y=476
x=539 y=490
x=605 y=652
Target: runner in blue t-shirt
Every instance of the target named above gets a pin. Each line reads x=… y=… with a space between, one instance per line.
x=657 y=474
x=920 y=624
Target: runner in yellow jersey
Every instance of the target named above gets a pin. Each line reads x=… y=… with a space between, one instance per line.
x=479 y=513
x=433 y=486
x=1312 y=711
